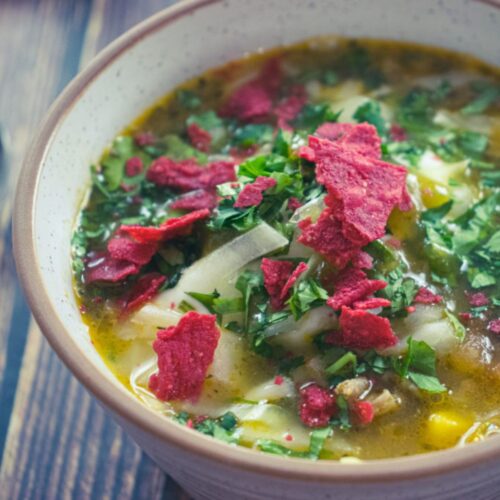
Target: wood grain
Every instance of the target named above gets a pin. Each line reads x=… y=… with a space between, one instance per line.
x=28 y=47
x=55 y=441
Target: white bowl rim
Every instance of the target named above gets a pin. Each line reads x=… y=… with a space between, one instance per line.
x=327 y=471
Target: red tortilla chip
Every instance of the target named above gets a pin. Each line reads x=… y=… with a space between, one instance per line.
x=145 y=139
x=362 y=330
x=253 y=101
x=317 y=406
x=104 y=268
x=170 y=229
x=362 y=138
x=240 y=155
x=494 y=326
x=218 y=172
x=199 y=137
x=478 y=299
x=143 y=291
x=293 y=203
x=187 y=175
x=465 y=317
x=405 y=204
x=276 y=273
x=334 y=131
x=251 y=194
x=133 y=166
x=306 y=153
x=271 y=75
x=425 y=296
x=325 y=237
x=362 y=260
x=371 y=303
x=352 y=285
x=300 y=269
x=362 y=190
x=288 y=109
x=397 y=133
x=124 y=248
x=362 y=412
x=185 y=353
x=197 y=200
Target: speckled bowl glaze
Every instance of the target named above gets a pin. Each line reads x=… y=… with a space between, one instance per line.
x=117 y=86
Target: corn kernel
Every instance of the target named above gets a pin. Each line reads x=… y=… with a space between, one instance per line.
x=434 y=194
x=444 y=428
x=402 y=224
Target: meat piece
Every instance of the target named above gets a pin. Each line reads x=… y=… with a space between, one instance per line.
x=353 y=388
x=384 y=402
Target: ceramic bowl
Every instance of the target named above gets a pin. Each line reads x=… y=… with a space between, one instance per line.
x=126 y=78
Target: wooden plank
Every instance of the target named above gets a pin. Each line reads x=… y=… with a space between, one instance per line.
x=60 y=443
x=31 y=35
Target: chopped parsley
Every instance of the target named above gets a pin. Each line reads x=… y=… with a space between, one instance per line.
x=371 y=112
x=306 y=295
x=316 y=443
x=419 y=366
x=486 y=95
x=469 y=242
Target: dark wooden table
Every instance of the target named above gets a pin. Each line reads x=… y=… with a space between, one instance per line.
x=55 y=441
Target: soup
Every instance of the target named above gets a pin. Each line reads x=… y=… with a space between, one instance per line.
x=298 y=252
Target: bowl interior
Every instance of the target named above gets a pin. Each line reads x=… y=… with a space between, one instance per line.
x=159 y=54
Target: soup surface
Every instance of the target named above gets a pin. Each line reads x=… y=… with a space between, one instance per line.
x=299 y=251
